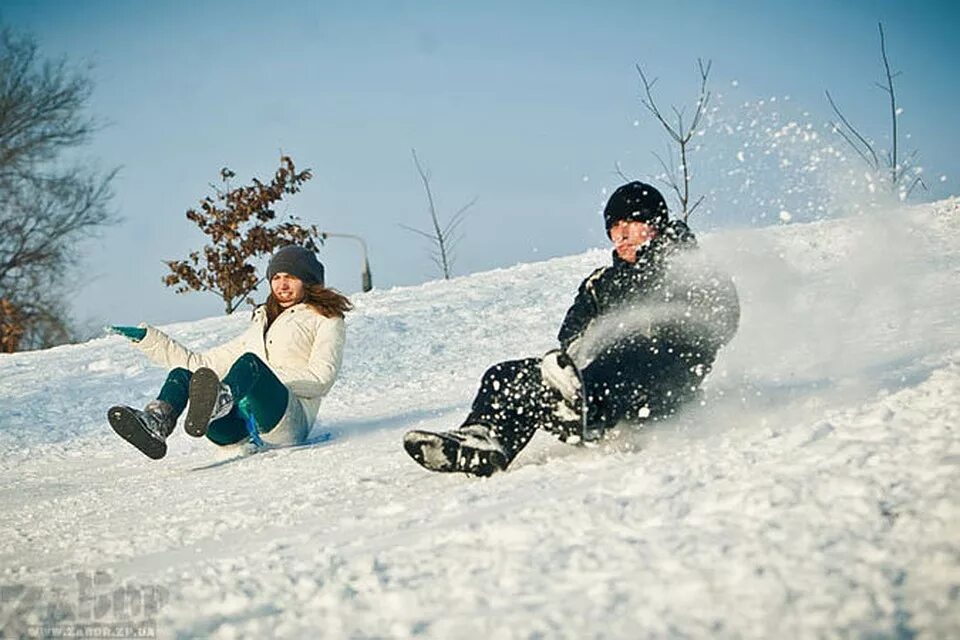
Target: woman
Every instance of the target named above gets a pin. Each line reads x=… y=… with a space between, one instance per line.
x=268 y=381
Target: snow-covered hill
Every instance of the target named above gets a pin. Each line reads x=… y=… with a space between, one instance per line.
x=816 y=494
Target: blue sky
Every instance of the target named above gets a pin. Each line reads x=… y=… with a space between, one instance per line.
x=527 y=106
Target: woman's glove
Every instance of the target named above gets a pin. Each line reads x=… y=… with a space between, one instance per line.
x=134 y=334
x=559 y=372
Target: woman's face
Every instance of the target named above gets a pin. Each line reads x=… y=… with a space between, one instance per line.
x=628 y=237
x=287 y=289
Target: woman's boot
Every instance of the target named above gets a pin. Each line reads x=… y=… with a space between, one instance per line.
x=147 y=430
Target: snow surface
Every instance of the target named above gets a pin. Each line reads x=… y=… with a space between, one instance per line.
x=816 y=494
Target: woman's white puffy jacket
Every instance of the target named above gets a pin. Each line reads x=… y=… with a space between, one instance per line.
x=302 y=347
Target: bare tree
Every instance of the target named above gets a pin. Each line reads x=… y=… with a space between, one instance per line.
x=678 y=178
x=242 y=228
x=890 y=163
x=444 y=238
x=46 y=204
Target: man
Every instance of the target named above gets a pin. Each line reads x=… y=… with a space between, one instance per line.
x=636 y=345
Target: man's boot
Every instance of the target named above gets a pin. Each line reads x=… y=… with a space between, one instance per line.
x=472 y=449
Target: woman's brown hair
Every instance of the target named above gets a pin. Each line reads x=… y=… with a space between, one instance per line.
x=328 y=302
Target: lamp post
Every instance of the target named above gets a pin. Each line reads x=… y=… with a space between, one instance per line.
x=366 y=280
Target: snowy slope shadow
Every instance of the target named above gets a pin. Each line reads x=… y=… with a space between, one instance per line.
x=405 y=421
x=315 y=440
x=327 y=432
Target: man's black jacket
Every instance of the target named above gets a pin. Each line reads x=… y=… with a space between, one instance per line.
x=645 y=334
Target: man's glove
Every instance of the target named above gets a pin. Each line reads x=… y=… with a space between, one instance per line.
x=134 y=334
x=559 y=372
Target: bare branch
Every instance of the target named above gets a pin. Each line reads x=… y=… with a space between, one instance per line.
x=680 y=133
x=869 y=147
x=916 y=181
x=441 y=237
x=458 y=217
x=696 y=204
x=651 y=104
x=671 y=174
x=417 y=231
x=453 y=245
x=892 y=164
x=46 y=204
x=907 y=164
x=620 y=173
x=425 y=178
x=873 y=162
x=704 y=98
x=893 y=105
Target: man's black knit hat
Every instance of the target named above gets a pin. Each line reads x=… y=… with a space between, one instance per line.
x=297 y=261
x=635 y=201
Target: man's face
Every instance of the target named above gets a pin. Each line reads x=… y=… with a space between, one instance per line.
x=629 y=236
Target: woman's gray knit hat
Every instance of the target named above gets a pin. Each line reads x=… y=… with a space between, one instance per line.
x=297 y=261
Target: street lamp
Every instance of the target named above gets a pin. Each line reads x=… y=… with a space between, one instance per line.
x=366 y=280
